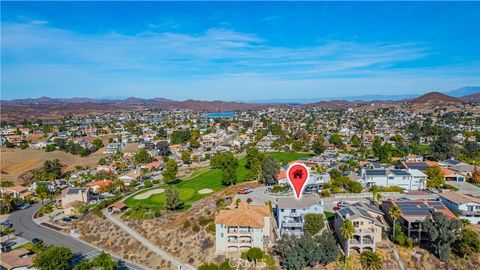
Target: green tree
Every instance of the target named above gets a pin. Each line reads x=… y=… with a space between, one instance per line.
x=229 y=164
x=104 y=261
x=270 y=169
x=172 y=197
x=436 y=178
x=376 y=196
x=254 y=254
x=53 y=166
x=356 y=141
x=370 y=260
x=336 y=139
x=297 y=145
x=468 y=243
x=313 y=223
x=142 y=156
x=394 y=213
x=186 y=156
x=180 y=136
x=318 y=147
x=98 y=143
x=42 y=192
x=50 y=148
x=443 y=232
x=443 y=147
x=53 y=258
x=102 y=161
x=348 y=231
x=254 y=161
x=170 y=171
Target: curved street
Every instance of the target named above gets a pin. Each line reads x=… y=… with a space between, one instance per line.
x=25 y=227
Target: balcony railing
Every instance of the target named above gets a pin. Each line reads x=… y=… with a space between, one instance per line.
x=365 y=231
x=469 y=213
x=293 y=224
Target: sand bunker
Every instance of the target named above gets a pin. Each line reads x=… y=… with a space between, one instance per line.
x=205 y=191
x=149 y=193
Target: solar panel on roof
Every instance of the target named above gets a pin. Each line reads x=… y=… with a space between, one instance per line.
x=375 y=172
x=413 y=208
x=400 y=172
x=345 y=211
x=435 y=203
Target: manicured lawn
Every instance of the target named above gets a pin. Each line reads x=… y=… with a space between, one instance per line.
x=209 y=179
x=157 y=201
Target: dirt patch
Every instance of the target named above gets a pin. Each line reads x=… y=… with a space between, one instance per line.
x=205 y=191
x=15 y=162
x=149 y=193
x=101 y=233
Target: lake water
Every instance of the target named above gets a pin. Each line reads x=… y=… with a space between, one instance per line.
x=220 y=114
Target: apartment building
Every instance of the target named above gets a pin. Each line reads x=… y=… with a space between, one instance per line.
x=368 y=222
x=290 y=213
x=467 y=207
x=241 y=228
x=411 y=179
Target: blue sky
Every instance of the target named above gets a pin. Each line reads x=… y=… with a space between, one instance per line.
x=237 y=50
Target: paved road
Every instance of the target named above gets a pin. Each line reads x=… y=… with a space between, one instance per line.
x=24 y=226
x=145 y=242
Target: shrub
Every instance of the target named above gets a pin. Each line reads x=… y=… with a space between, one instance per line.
x=210 y=228
x=196 y=228
x=187 y=224
x=156 y=182
x=148 y=184
x=326 y=193
x=204 y=220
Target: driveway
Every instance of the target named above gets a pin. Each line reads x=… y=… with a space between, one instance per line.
x=26 y=228
x=466 y=188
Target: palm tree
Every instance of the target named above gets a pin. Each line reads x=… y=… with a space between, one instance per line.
x=371 y=260
x=348 y=230
x=376 y=196
x=394 y=213
x=7 y=201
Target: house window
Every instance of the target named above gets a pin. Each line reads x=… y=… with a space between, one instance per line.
x=282 y=210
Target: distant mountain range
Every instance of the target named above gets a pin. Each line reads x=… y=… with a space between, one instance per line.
x=46 y=107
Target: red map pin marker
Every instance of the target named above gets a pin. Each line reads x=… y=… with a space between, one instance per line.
x=298 y=175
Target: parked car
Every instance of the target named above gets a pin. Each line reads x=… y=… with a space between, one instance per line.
x=25 y=206
x=6 y=224
x=72 y=217
x=37 y=241
x=340 y=204
x=244 y=190
x=66 y=219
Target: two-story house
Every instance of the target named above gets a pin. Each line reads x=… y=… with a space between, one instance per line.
x=368 y=222
x=241 y=228
x=72 y=196
x=413 y=213
x=411 y=179
x=467 y=207
x=290 y=213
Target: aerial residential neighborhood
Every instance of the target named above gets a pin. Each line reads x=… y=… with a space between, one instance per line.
x=240 y=135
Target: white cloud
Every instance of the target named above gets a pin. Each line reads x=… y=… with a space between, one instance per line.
x=219 y=63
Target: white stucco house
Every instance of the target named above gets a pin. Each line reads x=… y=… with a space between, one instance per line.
x=290 y=213
x=467 y=207
x=241 y=228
